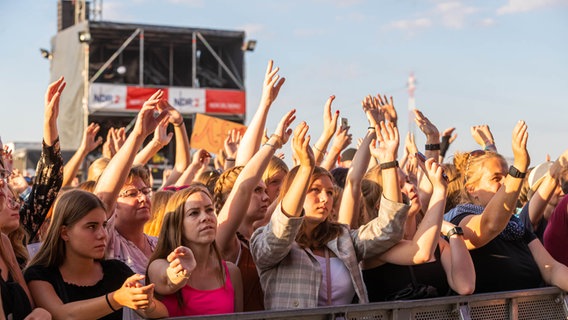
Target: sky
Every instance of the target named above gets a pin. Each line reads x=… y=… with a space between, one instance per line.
x=475 y=62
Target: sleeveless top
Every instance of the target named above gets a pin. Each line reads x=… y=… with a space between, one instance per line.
x=14 y=299
x=202 y=302
x=252 y=290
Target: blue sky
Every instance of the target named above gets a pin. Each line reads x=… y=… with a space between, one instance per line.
x=476 y=62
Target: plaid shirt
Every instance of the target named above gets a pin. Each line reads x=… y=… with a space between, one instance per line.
x=291 y=276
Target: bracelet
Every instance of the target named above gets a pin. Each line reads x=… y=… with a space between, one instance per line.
x=109 y=305
x=278 y=140
x=388 y=165
x=371 y=128
x=489 y=147
x=432 y=147
x=178 y=125
x=229 y=159
x=318 y=149
x=270 y=145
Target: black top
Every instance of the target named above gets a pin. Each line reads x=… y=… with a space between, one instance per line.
x=385 y=281
x=115 y=272
x=14 y=299
x=503 y=265
x=526 y=219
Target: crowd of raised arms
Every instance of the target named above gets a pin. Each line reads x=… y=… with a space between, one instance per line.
x=244 y=232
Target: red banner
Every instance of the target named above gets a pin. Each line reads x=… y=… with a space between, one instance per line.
x=225 y=101
x=136 y=96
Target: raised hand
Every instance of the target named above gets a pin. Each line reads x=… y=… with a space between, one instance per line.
x=118 y=138
x=150 y=115
x=435 y=173
x=90 y=140
x=174 y=117
x=410 y=144
x=387 y=107
x=372 y=110
x=182 y=263
x=425 y=125
x=51 y=112
x=283 y=131
x=388 y=139
x=329 y=119
x=231 y=143
x=271 y=84
x=483 y=137
x=301 y=145
x=161 y=135
x=519 y=143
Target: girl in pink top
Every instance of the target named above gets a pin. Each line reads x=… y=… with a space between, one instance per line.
x=186 y=267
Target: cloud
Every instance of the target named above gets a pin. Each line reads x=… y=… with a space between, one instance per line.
x=411 y=25
x=453 y=14
x=487 y=22
x=518 y=6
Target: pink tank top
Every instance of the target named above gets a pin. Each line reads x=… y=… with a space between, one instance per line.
x=203 y=302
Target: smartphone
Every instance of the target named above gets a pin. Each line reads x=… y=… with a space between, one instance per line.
x=422 y=158
x=344 y=123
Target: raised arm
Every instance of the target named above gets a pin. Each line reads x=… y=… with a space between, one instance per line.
x=200 y=160
x=89 y=143
x=171 y=274
x=160 y=139
x=351 y=197
x=231 y=147
x=341 y=140
x=114 y=176
x=483 y=137
x=424 y=242
x=183 y=156
x=482 y=228
x=446 y=139
x=329 y=128
x=49 y=170
x=545 y=190
x=233 y=212
x=251 y=139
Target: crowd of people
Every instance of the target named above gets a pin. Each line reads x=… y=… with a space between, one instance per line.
x=241 y=231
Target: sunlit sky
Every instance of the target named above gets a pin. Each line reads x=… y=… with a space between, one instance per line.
x=476 y=62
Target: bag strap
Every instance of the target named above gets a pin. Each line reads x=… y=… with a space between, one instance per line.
x=328 y=275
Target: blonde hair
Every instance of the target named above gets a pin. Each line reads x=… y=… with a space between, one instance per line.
x=469 y=165
x=224 y=185
x=96 y=168
x=159 y=203
x=275 y=166
x=371 y=191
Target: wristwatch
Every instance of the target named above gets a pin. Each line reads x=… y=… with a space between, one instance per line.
x=515 y=173
x=454 y=230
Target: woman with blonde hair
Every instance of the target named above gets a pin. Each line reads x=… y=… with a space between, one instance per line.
x=186 y=267
x=506 y=254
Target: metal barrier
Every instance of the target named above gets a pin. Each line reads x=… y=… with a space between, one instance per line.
x=534 y=304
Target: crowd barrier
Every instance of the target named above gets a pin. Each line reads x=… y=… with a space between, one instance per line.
x=544 y=303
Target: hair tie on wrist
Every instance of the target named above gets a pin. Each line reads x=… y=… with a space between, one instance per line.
x=110 y=305
x=320 y=150
x=432 y=147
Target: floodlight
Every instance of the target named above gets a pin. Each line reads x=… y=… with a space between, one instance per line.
x=85 y=37
x=249 y=45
